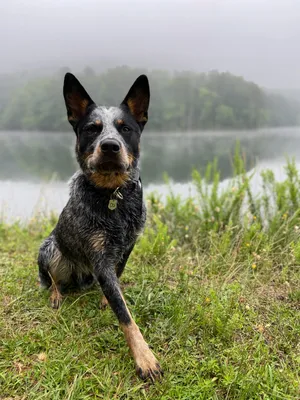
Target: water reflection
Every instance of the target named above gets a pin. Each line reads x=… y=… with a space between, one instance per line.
x=28 y=161
x=41 y=156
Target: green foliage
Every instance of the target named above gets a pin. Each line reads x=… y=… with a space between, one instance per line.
x=232 y=213
x=180 y=101
x=156 y=242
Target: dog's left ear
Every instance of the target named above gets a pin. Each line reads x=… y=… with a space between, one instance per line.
x=137 y=99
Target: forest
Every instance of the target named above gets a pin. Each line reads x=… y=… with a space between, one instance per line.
x=180 y=101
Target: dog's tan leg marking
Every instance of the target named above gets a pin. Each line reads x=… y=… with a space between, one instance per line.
x=57 y=271
x=55 y=297
x=147 y=365
x=103 y=303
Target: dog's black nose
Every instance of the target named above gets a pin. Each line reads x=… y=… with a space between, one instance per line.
x=110 y=146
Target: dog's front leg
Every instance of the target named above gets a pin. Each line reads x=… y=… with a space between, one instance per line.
x=119 y=270
x=147 y=365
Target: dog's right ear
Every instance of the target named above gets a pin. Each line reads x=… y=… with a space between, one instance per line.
x=76 y=98
x=137 y=99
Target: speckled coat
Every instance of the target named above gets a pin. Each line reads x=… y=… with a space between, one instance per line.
x=98 y=227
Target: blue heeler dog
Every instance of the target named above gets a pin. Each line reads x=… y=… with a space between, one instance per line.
x=98 y=227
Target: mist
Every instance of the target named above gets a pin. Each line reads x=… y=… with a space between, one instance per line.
x=252 y=38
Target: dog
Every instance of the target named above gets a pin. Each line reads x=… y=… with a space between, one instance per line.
x=105 y=214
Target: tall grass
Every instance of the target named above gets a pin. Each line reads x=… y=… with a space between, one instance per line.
x=235 y=214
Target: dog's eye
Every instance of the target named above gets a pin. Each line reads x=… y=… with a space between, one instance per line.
x=94 y=129
x=125 y=129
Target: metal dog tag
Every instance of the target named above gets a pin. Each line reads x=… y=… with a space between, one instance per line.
x=112 y=204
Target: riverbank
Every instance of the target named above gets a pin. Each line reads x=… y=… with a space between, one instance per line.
x=213 y=284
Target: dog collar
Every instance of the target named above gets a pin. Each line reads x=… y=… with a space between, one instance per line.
x=117 y=195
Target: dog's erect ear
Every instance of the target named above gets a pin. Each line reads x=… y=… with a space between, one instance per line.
x=76 y=98
x=137 y=99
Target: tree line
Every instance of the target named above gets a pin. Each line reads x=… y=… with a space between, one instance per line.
x=180 y=101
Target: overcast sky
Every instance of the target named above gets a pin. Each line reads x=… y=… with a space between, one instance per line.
x=258 y=39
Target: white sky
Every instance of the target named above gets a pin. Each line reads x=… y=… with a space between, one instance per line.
x=258 y=39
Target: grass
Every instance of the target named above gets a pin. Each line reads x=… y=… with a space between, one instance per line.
x=214 y=284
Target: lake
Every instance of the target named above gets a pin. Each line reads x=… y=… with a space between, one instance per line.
x=35 y=166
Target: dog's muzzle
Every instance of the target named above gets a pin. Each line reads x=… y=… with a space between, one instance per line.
x=109 y=156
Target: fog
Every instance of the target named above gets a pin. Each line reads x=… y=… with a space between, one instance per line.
x=254 y=38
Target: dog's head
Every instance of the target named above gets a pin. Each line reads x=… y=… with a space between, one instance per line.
x=107 y=146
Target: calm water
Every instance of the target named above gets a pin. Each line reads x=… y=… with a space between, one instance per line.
x=34 y=167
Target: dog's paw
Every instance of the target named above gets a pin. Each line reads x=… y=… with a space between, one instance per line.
x=55 y=300
x=147 y=367
x=103 y=303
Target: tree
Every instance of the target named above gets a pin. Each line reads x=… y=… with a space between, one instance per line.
x=179 y=102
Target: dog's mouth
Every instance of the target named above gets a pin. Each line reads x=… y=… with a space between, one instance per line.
x=107 y=166
x=108 y=171
x=109 y=174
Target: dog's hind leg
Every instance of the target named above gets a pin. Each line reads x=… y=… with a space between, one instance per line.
x=46 y=254
x=55 y=296
x=50 y=270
